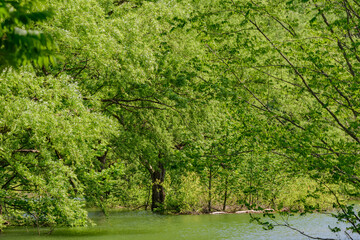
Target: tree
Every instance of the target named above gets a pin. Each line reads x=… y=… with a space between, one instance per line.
x=19 y=43
x=139 y=69
x=296 y=62
x=48 y=142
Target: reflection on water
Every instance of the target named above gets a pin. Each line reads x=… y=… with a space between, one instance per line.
x=145 y=225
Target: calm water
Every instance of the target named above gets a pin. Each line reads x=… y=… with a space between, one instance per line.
x=145 y=225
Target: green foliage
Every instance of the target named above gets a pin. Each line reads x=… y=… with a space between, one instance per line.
x=185 y=194
x=19 y=43
x=48 y=141
x=294 y=63
x=191 y=105
x=2 y=223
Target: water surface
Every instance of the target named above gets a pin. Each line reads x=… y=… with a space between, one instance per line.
x=145 y=225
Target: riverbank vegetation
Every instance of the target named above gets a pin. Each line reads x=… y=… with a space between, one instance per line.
x=177 y=106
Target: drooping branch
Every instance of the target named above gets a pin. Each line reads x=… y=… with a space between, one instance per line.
x=302 y=232
x=311 y=91
x=6 y=185
x=339 y=43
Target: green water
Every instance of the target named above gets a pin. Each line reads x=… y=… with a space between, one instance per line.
x=145 y=225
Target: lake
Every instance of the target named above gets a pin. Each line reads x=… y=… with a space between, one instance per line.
x=146 y=225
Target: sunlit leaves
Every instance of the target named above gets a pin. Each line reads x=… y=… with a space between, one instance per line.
x=19 y=44
x=49 y=138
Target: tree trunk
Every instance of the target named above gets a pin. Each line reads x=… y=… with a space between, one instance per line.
x=210 y=180
x=158 y=191
x=225 y=193
x=148 y=198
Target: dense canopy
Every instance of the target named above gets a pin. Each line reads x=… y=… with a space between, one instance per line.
x=188 y=106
